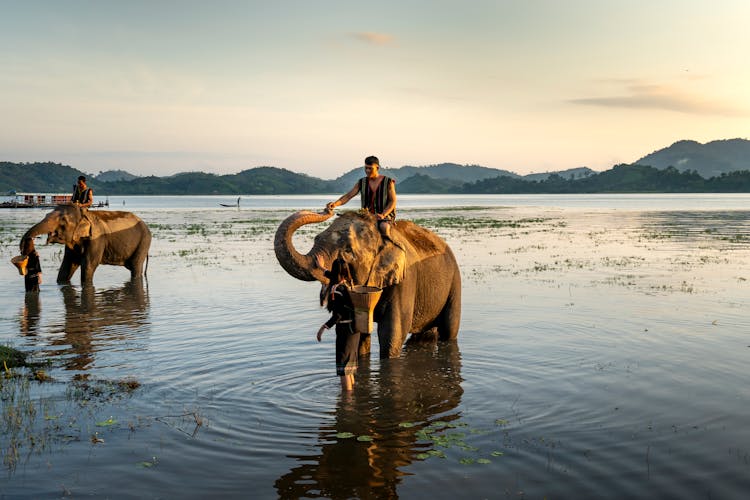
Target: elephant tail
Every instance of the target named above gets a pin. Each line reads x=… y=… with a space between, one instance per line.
x=145 y=269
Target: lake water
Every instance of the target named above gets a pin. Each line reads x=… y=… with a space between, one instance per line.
x=603 y=353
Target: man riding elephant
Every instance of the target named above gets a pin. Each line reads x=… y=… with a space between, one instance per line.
x=378 y=194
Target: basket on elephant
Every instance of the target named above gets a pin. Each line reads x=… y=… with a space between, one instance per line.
x=364 y=299
x=20 y=261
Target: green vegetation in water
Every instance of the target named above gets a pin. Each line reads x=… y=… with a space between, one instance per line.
x=445 y=436
x=30 y=423
x=473 y=223
x=11 y=358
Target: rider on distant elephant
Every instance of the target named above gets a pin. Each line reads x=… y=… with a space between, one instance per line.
x=83 y=196
x=378 y=194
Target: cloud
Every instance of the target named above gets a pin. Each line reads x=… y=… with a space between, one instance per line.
x=373 y=38
x=662 y=97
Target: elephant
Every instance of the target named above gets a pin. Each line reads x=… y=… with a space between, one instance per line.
x=415 y=268
x=95 y=237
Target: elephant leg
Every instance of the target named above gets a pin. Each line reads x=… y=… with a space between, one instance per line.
x=365 y=341
x=394 y=325
x=87 y=272
x=450 y=317
x=92 y=257
x=136 y=263
x=68 y=266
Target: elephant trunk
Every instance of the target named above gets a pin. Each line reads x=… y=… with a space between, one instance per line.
x=43 y=227
x=302 y=267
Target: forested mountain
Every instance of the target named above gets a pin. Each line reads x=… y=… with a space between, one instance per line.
x=447 y=171
x=260 y=180
x=571 y=173
x=709 y=160
x=44 y=177
x=114 y=176
x=683 y=167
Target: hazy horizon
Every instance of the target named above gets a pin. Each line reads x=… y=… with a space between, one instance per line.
x=162 y=88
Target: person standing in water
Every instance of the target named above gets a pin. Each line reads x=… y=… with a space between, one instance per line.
x=336 y=298
x=378 y=194
x=33 y=277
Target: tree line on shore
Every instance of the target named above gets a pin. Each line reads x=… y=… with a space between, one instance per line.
x=53 y=177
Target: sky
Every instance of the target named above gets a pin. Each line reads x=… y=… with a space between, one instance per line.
x=159 y=87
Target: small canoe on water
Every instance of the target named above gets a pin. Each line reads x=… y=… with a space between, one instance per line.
x=231 y=204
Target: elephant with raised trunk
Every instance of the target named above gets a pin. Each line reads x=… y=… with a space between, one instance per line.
x=95 y=237
x=416 y=269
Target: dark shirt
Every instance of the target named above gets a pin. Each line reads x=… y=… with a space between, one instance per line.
x=375 y=202
x=81 y=196
x=341 y=305
x=33 y=266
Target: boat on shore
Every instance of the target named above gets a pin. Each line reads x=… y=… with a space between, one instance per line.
x=42 y=200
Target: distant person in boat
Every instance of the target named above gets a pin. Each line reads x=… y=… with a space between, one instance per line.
x=336 y=299
x=83 y=196
x=378 y=194
x=33 y=277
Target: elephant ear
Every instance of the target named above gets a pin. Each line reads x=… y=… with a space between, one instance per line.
x=83 y=230
x=389 y=266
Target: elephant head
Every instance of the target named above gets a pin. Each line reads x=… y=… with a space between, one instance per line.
x=354 y=236
x=66 y=224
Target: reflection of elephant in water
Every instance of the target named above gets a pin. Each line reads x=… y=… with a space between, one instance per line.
x=95 y=237
x=117 y=312
x=421 y=387
x=417 y=270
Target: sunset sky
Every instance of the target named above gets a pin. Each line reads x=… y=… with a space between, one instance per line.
x=159 y=87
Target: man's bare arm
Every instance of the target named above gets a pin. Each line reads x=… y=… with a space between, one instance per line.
x=344 y=199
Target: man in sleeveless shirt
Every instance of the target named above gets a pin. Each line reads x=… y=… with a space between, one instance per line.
x=378 y=194
x=83 y=195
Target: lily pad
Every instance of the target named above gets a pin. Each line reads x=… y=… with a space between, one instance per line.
x=423 y=456
x=344 y=435
x=483 y=461
x=407 y=425
x=467 y=461
x=145 y=465
x=107 y=423
x=364 y=438
x=497 y=453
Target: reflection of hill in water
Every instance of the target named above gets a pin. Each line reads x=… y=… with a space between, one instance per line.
x=422 y=386
x=94 y=318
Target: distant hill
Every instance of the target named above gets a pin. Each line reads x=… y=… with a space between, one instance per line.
x=447 y=171
x=709 y=160
x=260 y=180
x=685 y=166
x=424 y=184
x=37 y=177
x=114 y=176
x=571 y=173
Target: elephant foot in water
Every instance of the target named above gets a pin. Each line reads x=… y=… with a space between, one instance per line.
x=427 y=336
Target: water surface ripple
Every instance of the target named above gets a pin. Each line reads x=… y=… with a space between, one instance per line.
x=602 y=354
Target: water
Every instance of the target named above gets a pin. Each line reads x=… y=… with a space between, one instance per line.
x=602 y=353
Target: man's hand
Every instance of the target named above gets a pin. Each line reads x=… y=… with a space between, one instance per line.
x=320 y=332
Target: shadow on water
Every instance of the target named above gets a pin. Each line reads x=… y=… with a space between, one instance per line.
x=94 y=318
x=389 y=407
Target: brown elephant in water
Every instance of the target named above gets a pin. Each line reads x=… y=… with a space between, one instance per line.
x=95 y=237
x=416 y=269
